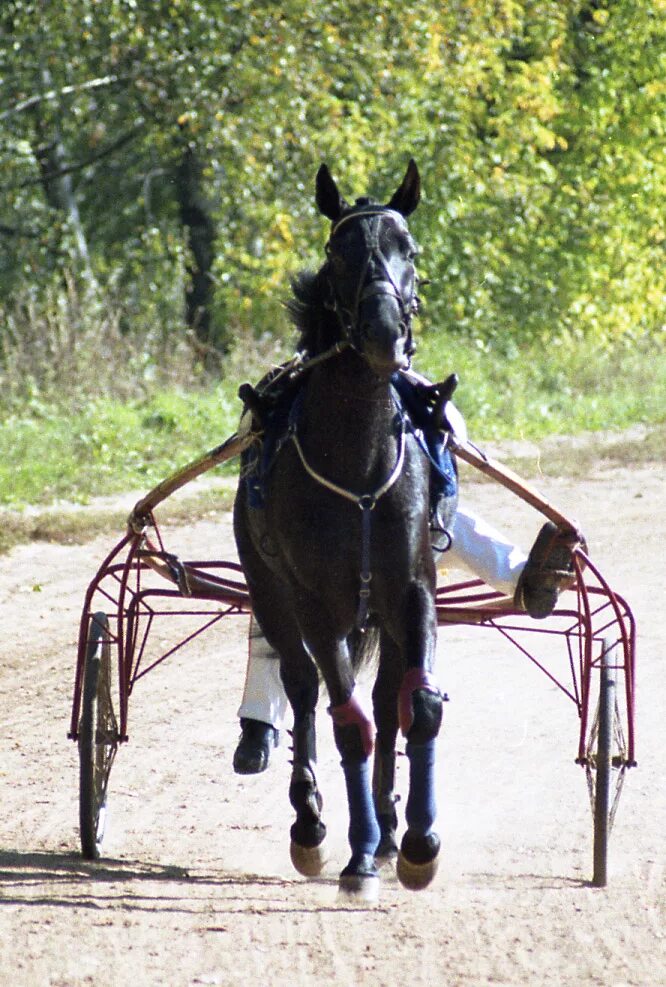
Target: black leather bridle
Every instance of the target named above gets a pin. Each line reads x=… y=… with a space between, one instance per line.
x=370 y=220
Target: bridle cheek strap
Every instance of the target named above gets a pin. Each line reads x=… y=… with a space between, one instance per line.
x=385 y=286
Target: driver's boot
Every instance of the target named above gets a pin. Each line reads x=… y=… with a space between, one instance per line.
x=253 y=752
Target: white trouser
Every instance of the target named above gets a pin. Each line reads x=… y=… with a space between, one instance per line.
x=264 y=697
x=475 y=544
x=488 y=554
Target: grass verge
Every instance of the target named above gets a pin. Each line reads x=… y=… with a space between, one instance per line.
x=77 y=446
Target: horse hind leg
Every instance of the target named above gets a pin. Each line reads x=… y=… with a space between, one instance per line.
x=421 y=716
x=308 y=832
x=383 y=784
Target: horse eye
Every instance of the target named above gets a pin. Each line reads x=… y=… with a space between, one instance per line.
x=408 y=247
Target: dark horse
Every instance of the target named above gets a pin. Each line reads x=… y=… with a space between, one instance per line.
x=342 y=542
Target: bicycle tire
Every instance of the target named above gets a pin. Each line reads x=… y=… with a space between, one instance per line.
x=98 y=738
x=604 y=763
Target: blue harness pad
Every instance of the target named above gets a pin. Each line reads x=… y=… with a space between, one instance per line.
x=257 y=460
x=281 y=419
x=444 y=475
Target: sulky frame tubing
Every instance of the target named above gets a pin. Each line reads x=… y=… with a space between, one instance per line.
x=233 y=446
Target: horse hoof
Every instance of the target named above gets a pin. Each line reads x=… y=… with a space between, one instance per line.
x=308 y=860
x=359 y=887
x=415 y=877
x=418 y=860
x=360 y=878
x=387 y=848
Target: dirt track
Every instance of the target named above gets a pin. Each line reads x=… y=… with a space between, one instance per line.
x=197 y=886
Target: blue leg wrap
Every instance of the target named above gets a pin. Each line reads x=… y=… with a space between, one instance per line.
x=421 y=811
x=364 y=831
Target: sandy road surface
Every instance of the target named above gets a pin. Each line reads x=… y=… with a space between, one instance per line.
x=197 y=887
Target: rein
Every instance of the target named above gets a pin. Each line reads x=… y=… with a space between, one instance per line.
x=367 y=503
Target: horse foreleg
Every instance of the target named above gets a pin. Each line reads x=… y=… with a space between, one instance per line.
x=420 y=705
x=353 y=737
x=353 y=732
x=272 y=608
x=386 y=718
x=300 y=681
x=308 y=832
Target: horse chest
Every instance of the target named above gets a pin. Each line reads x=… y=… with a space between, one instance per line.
x=325 y=540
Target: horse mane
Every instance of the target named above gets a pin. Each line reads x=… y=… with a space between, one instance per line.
x=317 y=325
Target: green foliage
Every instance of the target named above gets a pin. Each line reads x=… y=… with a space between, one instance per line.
x=571 y=386
x=538 y=127
x=107 y=446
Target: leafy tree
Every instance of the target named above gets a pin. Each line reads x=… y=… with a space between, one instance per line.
x=163 y=154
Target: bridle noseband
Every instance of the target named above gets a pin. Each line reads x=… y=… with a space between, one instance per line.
x=370 y=220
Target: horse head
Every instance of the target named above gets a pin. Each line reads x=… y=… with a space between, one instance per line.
x=370 y=273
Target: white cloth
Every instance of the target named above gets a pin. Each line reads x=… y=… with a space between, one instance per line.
x=264 y=697
x=475 y=544
x=485 y=551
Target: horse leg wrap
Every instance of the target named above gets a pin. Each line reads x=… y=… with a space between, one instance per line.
x=419 y=706
x=357 y=742
x=364 y=831
x=303 y=791
x=304 y=794
x=354 y=738
x=421 y=811
x=419 y=849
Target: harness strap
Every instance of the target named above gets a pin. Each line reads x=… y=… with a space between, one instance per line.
x=365 y=574
x=367 y=503
x=358 y=499
x=378 y=211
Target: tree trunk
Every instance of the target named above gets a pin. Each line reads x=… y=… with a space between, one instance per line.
x=59 y=191
x=195 y=214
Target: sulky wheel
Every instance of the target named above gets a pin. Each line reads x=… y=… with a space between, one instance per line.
x=98 y=737
x=605 y=754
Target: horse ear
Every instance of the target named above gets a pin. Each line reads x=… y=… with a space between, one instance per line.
x=406 y=199
x=328 y=198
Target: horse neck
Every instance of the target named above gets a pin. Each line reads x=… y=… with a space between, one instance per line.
x=348 y=417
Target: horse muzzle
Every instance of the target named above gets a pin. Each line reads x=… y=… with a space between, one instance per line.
x=383 y=335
